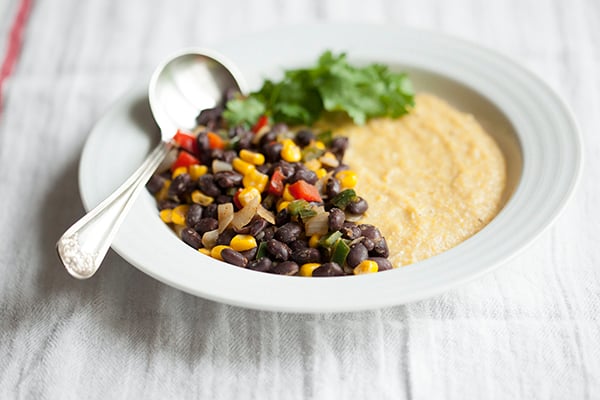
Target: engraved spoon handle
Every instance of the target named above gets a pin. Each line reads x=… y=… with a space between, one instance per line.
x=85 y=244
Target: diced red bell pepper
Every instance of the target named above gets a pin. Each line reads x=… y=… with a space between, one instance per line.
x=184 y=159
x=276 y=183
x=304 y=190
x=215 y=141
x=186 y=141
x=262 y=121
x=236 y=199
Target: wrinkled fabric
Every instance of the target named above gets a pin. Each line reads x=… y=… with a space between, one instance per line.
x=530 y=330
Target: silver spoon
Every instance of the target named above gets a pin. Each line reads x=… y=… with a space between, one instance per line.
x=185 y=84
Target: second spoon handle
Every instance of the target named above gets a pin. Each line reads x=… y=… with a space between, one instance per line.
x=85 y=244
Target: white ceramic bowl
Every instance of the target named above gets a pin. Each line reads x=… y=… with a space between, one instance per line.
x=534 y=129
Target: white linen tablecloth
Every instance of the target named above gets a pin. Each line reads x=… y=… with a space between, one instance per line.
x=530 y=330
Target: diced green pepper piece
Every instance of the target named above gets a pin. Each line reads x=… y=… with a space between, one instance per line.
x=342 y=199
x=262 y=250
x=340 y=252
x=301 y=208
x=329 y=240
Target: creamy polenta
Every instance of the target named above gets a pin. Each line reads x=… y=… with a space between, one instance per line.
x=432 y=178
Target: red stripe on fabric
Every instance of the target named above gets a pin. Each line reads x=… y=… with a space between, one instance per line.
x=15 y=40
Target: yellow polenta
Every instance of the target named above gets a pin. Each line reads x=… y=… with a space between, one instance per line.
x=432 y=178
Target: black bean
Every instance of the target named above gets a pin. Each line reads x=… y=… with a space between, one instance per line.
x=202 y=140
x=245 y=141
x=307 y=255
x=339 y=145
x=288 y=232
x=350 y=230
x=180 y=185
x=282 y=217
x=234 y=257
x=383 y=263
x=278 y=250
x=358 y=206
x=194 y=215
x=205 y=225
x=226 y=236
x=167 y=203
x=264 y=169
x=191 y=237
x=272 y=151
x=336 y=219
x=357 y=254
x=297 y=245
x=211 y=211
x=217 y=154
x=223 y=199
x=268 y=138
x=368 y=243
x=257 y=226
x=370 y=231
x=210 y=116
x=287 y=169
x=381 y=249
x=286 y=268
x=207 y=185
x=267 y=234
x=332 y=187
x=229 y=155
x=155 y=183
x=250 y=254
x=304 y=174
x=328 y=269
x=304 y=137
x=263 y=265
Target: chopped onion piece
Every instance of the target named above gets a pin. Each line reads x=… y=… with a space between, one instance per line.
x=317 y=225
x=245 y=214
x=218 y=166
x=209 y=239
x=266 y=214
x=225 y=215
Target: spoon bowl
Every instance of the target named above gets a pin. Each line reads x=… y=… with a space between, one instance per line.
x=180 y=88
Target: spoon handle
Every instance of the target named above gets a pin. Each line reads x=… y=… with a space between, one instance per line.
x=85 y=244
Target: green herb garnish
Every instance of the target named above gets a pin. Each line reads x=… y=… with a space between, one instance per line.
x=332 y=85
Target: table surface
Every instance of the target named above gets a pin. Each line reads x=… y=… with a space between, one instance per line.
x=529 y=330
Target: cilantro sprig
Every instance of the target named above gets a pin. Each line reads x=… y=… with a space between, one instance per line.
x=332 y=85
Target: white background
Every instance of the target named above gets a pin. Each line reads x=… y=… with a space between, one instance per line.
x=529 y=330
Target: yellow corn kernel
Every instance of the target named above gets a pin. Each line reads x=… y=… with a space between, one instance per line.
x=320 y=145
x=179 y=171
x=256 y=180
x=241 y=166
x=166 y=215
x=204 y=251
x=252 y=157
x=248 y=194
x=348 y=179
x=179 y=213
x=314 y=240
x=366 y=267
x=216 y=251
x=308 y=268
x=313 y=164
x=282 y=204
x=163 y=193
x=197 y=170
x=242 y=242
x=290 y=152
x=200 y=198
x=321 y=172
x=286 y=195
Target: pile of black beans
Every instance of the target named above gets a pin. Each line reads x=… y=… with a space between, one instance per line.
x=281 y=247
